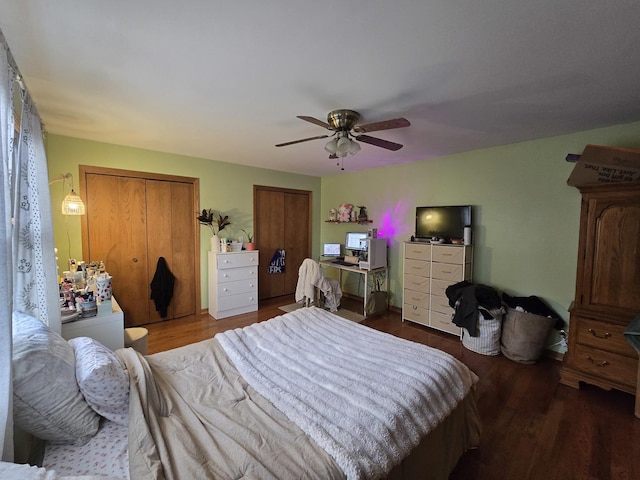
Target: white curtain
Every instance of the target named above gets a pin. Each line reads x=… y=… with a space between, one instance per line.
x=28 y=280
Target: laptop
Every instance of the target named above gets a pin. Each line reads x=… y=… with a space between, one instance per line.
x=331 y=250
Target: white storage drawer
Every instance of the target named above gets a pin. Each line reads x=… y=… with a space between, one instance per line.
x=419 y=299
x=233 y=283
x=417 y=267
x=239 y=301
x=428 y=269
x=236 y=259
x=414 y=282
x=234 y=274
x=417 y=251
x=239 y=286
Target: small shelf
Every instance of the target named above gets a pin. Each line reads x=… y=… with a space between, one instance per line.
x=359 y=222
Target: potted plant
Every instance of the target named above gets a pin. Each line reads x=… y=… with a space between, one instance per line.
x=250 y=244
x=208 y=217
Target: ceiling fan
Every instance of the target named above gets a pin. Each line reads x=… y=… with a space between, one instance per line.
x=345 y=127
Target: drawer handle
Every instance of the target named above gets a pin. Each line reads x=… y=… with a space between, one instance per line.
x=414 y=307
x=447 y=271
x=225 y=289
x=595 y=334
x=604 y=363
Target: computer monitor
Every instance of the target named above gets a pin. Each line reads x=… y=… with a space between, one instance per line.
x=331 y=250
x=354 y=241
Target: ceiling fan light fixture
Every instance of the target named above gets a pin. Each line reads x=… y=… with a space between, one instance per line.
x=332 y=146
x=343 y=146
x=355 y=147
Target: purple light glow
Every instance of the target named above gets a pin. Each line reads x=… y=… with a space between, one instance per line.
x=392 y=222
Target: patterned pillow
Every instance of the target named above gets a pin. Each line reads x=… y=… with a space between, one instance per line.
x=102 y=378
x=46 y=399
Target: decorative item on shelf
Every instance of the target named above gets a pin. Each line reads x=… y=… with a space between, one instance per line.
x=333 y=215
x=207 y=217
x=362 y=216
x=344 y=212
x=354 y=215
x=250 y=245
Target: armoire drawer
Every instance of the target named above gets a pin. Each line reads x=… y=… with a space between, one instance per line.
x=417 y=267
x=236 y=259
x=414 y=282
x=606 y=364
x=604 y=336
x=416 y=298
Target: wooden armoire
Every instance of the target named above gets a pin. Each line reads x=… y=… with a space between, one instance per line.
x=133 y=218
x=607 y=289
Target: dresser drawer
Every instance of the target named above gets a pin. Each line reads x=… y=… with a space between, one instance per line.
x=414 y=282
x=236 y=259
x=417 y=267
x=605 y=336
x=417 y=251
x=239 y=286
x=415 y=298
x=439 y=287
x=241 y=300
x=446 y=271
x=415 y=314
x=234 y=274
x=606 y=364
x=441 y=304
x=442 y=321
x=446 y=254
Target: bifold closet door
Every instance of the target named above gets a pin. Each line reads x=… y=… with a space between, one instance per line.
x=131 y=222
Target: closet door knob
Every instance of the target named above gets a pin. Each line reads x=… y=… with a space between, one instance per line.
x=135 y=260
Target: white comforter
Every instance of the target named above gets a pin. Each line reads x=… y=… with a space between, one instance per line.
x=367 y=411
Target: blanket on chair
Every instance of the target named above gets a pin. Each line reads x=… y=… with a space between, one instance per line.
x=366 y=411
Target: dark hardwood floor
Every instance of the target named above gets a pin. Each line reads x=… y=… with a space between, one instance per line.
x=533 y=427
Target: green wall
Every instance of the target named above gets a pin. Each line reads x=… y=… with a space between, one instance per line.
x=225 y=187
x=526 y=218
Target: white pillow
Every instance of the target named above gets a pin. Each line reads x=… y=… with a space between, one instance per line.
x=46 y=399
x=102 y=378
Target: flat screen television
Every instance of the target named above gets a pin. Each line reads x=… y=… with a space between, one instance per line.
x=354 y=241
x=445 y=222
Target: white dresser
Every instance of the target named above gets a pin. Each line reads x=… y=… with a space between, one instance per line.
x=427 y=272
x=233 y=283
x=107 y=327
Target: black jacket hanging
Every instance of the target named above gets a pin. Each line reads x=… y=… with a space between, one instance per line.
x=162 y=287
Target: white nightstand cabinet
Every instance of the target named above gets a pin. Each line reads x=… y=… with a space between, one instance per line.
x=427 y=272
x=233 y=283
x=107 y=327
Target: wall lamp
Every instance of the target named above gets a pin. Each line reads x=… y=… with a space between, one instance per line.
x=72 y=203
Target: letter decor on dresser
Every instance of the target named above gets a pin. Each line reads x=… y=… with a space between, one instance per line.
x=607 y=289
x=233 y=283
x=427 y=271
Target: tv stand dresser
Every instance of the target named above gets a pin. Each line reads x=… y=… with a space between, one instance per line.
x=428 y=269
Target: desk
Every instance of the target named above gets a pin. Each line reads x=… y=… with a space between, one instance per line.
x=366 y=273
x=107 y=327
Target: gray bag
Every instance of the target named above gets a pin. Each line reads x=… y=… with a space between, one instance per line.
x=376 y=301
x=524 y=335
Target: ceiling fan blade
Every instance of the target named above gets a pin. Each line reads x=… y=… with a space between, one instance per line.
x=301 y=140
x=378 y=142
x=315 y=121
x=384 y=125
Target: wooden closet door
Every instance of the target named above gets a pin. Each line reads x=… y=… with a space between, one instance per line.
x=282 y=221
x=134 y=218
x=117 y=235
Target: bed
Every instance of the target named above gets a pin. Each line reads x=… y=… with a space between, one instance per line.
x=303 y=395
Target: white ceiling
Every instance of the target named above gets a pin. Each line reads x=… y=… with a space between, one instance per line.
x=224 y=80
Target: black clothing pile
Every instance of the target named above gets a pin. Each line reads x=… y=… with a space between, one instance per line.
x=469 y=300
